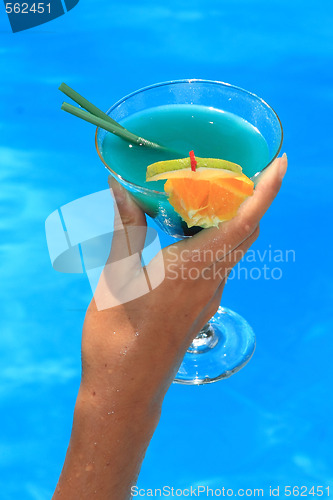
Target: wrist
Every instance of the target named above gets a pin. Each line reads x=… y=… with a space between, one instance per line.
x=116 y=406
x=106 y=448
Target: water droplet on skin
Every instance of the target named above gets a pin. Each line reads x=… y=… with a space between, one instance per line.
x=110 y=412
x=137 y=334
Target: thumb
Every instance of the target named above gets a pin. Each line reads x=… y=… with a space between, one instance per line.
x=130 y=224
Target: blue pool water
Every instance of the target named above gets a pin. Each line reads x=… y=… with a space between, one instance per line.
x=269 y=425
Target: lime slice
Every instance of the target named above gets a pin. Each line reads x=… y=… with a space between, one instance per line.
x=170 y=168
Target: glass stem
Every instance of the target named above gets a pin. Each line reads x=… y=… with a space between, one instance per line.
x=204 y=341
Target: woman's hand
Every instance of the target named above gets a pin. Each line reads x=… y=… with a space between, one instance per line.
x=144 y=340
x=131 y=351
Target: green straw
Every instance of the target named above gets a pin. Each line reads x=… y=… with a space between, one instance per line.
x=85 y=104
x=97 y=117
x=114 y=128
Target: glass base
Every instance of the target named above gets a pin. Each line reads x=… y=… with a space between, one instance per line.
x=222 y=347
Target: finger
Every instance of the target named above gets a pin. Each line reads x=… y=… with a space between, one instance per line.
x=123 y=278
x=224 y=266
x=225 y=270
x=214 y=243
x=220 y=273
x=216 y=273
x=130 y=224
x=219 y=292
x=209 y=310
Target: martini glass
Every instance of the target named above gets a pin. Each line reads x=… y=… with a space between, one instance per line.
x=227 y=342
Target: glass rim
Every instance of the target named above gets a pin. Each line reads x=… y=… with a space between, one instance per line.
x=175 y=82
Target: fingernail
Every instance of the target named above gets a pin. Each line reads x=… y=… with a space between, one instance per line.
x=283 y=165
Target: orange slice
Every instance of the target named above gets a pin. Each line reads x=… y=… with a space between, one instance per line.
x=207 y=196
